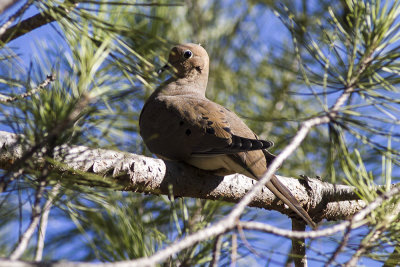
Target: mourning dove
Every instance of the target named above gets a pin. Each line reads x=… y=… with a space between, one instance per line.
x=178 y=122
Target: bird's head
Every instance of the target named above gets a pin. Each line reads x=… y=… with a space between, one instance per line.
x=188 y=61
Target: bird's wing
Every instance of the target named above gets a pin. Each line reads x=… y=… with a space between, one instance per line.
x=219 y=134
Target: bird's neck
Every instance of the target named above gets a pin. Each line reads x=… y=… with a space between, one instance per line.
x=184 y=86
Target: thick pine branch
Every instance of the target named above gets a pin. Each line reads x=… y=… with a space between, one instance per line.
x=131 y=172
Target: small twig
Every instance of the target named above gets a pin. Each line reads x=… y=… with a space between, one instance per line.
x=365 y=244
x=343 y=243
x=246 y=243
x=234 y=250
x=26 y=236
x=34 y=22
x=50 y=78
x=11 y=19
x=216 y=251
x=43 y=222
x=258 y=226
x=376 y=233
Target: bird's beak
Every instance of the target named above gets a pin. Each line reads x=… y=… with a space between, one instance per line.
x=166 y=66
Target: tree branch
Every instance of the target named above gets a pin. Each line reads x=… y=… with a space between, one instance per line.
x=34 y=22
x=43 y=222
x=5 y=4
x=298 y=253
x=11 y=19
x=131 y=172
x=50 y=78
x=36 y=211
x=216 y=251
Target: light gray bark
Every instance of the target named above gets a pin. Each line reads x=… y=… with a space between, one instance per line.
x=131 y=172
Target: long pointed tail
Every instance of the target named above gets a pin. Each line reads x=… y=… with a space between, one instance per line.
x=286 y=196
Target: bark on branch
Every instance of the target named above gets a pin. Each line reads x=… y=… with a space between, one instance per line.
x=5 y=4
x=131 y=172
x=34 y=22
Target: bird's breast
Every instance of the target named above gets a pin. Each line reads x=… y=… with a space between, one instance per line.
x=165 y=129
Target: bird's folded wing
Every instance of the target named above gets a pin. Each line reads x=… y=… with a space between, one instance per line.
x=219 y=137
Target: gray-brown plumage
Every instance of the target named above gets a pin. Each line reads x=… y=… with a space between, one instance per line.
x=178 y=122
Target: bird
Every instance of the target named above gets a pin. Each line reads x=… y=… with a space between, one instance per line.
x=179 y=123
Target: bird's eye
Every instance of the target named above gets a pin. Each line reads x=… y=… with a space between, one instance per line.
x=187 y=54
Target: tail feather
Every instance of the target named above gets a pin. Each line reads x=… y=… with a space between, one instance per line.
x=286 y=196
x=276 y=187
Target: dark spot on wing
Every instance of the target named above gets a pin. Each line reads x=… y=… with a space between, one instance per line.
x=210 y=130
x=205 y=118
x=247 y=144
x=236 y=142
x=227 y=129
x=209 y=123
